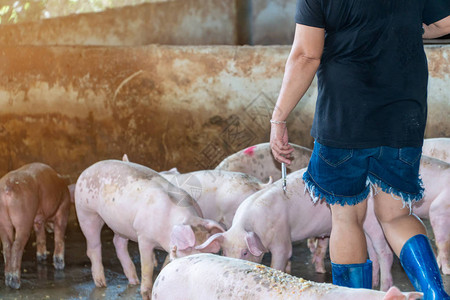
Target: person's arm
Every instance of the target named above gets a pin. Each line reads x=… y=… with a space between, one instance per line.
x=437 y=29
x=301 y=67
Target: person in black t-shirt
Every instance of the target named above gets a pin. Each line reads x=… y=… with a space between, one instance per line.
x=368 y=125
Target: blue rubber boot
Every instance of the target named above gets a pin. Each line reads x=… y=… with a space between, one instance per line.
x=353 y=275
x=419 y=263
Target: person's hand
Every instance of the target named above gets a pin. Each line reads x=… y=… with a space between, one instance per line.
x=279 y=143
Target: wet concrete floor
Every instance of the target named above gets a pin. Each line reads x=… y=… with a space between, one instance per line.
x=41 y=281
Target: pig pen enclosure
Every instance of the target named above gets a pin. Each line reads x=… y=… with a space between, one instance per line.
x=181 y=83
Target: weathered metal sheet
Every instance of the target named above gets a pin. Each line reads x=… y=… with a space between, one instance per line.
x=186 y=22
x=165 y=106
x=273 y=22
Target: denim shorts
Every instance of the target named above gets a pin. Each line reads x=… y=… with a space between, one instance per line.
x=345 y=176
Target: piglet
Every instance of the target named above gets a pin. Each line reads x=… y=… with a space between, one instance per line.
x=139 y=205
x=218 y=193
x=258 y=161
x=270 y=220
x=210 y=277
x=29 y=197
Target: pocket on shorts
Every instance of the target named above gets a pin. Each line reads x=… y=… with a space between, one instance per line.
x=334 y=156
x=409 y=155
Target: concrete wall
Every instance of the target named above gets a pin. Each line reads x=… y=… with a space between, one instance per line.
x=193 y=22
x=164 y=106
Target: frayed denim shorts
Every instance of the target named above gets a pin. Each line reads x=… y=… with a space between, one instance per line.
x=345 y=176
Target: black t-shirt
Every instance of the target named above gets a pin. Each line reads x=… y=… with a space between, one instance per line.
x=372 y=79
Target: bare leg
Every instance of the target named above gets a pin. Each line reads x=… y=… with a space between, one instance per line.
x=129 y=269
x=347 y=239
x=398 y=225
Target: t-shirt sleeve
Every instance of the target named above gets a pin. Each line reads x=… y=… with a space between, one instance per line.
x=309 y=13
x=435 y=10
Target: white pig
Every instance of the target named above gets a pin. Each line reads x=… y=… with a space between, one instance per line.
x=258 y=161
x=218 y=193
x=438 y=148
x=139 y=205
x=211 y=277
x=270 y=220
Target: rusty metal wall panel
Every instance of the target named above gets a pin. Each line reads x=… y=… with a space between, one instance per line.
x=165 y=106
x=186 y=22
x=273 y=22
x=438 y=124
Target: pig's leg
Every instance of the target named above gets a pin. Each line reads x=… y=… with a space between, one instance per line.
x=383 y=257
x=91 y=225
x=312 y=244
x=281 y=252
x=60 y=225
x=121 y=245
x=7 y=232
x=382 y=262
x=41 y=243
x=319 y=254
x=440 y=222
x=20 y=240
x=148 y=262
x=375 y=263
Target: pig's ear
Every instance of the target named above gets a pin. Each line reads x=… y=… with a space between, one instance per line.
x=173 y=171
x=211 y=245
x=254 y=244
x=212 y=226
x=394 y=294
x=182 y=237
x=125 y=158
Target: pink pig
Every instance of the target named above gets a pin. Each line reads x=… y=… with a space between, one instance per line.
x=270 y=220
x=211 y=277
x=139 y=205
x=29 y=197
x=218 y=193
